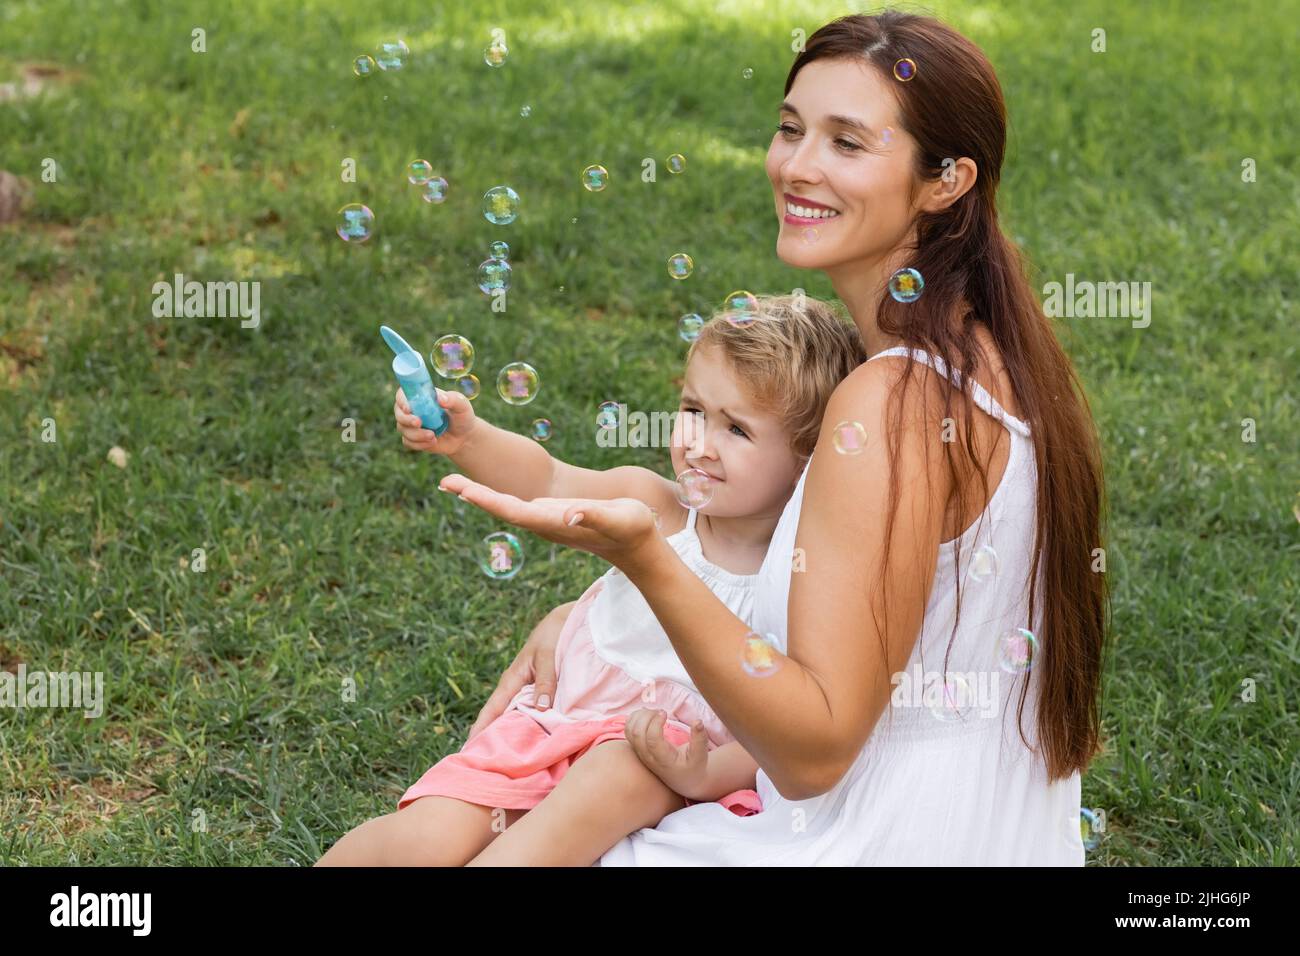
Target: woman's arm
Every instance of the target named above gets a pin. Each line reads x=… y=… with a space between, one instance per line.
x=806 y=723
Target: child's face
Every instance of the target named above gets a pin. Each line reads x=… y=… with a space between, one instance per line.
x=746 y=450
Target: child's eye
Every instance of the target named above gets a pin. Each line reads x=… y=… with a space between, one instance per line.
x=740 y=431
x=787 y=129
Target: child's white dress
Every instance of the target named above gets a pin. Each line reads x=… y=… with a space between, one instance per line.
x=612 y=658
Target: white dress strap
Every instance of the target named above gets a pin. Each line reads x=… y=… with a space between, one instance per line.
x=691 y=515
x=979 y=394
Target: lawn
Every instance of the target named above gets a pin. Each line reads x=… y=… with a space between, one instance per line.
x=229 y=736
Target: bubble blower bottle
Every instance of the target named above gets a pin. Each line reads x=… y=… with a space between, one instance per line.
x=413 y=375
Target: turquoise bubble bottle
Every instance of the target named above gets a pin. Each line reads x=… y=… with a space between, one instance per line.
x=413 y=375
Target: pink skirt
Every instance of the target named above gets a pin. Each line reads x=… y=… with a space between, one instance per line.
x=517 y=759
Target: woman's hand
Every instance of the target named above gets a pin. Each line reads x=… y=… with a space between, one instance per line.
x=684 y=770
x=534 y=664
x=620 y=530
x=418 y=438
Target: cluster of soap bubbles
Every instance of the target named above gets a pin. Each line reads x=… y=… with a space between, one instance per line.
x=392 y=56
x=419 y=172
x=494 y=271
x=596 y=177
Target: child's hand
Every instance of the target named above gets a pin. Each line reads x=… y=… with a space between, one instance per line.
x=685 y=770
x=418 y=438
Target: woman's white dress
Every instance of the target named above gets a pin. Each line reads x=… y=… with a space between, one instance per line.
x=945 y=777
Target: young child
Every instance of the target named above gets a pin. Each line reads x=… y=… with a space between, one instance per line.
x=533 y=787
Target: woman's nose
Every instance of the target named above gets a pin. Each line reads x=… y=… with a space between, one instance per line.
x=801 y=165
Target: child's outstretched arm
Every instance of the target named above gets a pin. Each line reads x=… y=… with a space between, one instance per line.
x=519 y=466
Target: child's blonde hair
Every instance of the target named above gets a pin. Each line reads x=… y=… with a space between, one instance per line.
x=789 y=359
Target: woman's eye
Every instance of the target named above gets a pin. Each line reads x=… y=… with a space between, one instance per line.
x=787 y=129
x=846 y=144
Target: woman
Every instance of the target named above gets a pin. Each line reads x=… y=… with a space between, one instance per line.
x=930 y=706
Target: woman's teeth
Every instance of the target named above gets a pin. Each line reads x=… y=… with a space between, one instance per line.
x=805 y=212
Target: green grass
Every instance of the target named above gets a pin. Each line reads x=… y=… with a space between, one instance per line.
x=329 y=560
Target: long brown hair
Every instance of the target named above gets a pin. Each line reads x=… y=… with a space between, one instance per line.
x=953 y=107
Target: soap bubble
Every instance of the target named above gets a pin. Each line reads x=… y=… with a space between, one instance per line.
x=905 y=285
x=811 y=235
x=542 y=429
x=694 y=488
x=607 y=415
x=496 y=54
x=595 y=178
x=680 y=265
x=468 y=386
x=688 y=326
x=363 y=65
x=392 y=55
x=983 y=563
x=760 y=655
x=904 y=69
x=676 y=163
x=501 y=556
x=740 y=308
x=517 y=383
x=500 y=250
x=849 y=438
x=452 y=356
x=419 y=172
x=950 y=699
x=1016 y=649
x=747 y=73
x=525 y=111
x=1089 y=828
x=500 y=205
x=435 y=190
x=355 y=222
x=494 y=276
x=887 y=135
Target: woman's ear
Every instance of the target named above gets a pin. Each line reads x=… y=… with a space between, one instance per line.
x=958 y=176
